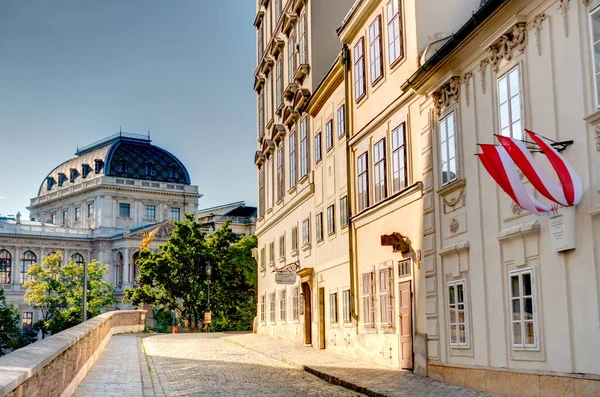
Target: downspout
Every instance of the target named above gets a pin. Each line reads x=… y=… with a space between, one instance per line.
x=345 y=57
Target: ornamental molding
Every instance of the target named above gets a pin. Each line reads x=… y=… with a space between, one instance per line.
x=454 y=201
x=482 y=69
x=505 y=47
x=465 y=79
x=563 y=7
x=454 y=225
x=538 y=22
x=515 y=209
x=446 y=95
x=586 y=2
x=598 y=138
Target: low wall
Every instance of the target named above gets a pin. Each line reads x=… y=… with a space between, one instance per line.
x=56 y=365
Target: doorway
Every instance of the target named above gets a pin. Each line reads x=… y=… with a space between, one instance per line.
x=307 y=314
x=405 y=305
x=321 y=318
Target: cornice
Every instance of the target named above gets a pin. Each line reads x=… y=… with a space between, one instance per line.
x=357 y=19
x=325 y=90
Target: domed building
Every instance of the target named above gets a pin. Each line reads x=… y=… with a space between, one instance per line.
x=97 y=206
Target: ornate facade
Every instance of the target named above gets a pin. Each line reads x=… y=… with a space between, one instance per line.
x=97 y=206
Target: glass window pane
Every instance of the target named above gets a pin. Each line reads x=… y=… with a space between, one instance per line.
x=504 y=120
x=461 y=316
x=529 y=333
x=453 y=334
x=514 y=283
x=450 y=124
x=443 y=131
x=513 y=78
x=515 y=108
x=596 y=26
x=526 y=284
x=452 y=316
x=517 y=333
x=502 y=94
x=452 y=169
x=462 y=334
x=516 y=309
x=451 y=148
x=528 y=308
x=451 y=297
x=517 y=130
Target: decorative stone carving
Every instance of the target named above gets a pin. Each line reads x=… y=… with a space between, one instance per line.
x=515 y=209
x=446 y=94
x=482 y=68
x=563 y=6
x=586 y=2
x=537 y=27
x=466 y=77
x=454 y=201
x=454 y=225
x=598 y=138
x=505 y=46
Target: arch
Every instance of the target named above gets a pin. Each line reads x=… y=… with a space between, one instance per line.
x=78 y=258
x=28 y=258
x=5 y=267
x=119 y=270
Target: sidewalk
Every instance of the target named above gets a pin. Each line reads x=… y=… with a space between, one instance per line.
x=353 y=373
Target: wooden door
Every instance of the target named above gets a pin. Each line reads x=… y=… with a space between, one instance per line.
x=321 y=318
x=405 y=305
x=307 y=314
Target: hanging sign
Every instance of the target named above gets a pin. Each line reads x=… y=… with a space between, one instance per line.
x=286 y=278
x=562 y=229
x=207 y=317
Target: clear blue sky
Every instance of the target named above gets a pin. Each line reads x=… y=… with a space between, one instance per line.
x=72 y=72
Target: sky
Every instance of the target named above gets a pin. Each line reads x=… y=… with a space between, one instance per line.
x=73 y=72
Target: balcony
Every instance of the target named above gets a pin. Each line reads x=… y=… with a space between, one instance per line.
x=290 y=91
x=276 y=47
x=267 y=65
x=302 y=72
x=289 y=21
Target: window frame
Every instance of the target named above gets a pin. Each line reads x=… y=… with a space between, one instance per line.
x=318 y=149
x=296 y=303
x=5 y=267
x=319 y=226
x=379 y=172
x=294 y=238
x=368 y=298
x=77 y=214
x=263 y=300
x=344 y=212
x=386 y=296
x=509 y=97
x=272 y=252
x=396 y=150
x=282 y=246
x=333 y=308
x=595 y=73
x=292 y=60
x=346 y=306
x=534 y=318
x=261 y=192
x=454 y=306
x=444 y=147
x=306 y=232
x=282 y=305
x=341 y=121
x=302 y=40
x=272 y=308
x=175 y=210
x=279 y=83
x=261 y=112
x=124 y=208
x=304 y=149
x=329 y=135
x=280 y=172
x=90 y=210
x=391 y=19
x=27 y=320
x=150 y=212
x=331 y=220
x=26 y=263
x=362 y=185
x=359 y=64
x=375 y=51
x=292 y=161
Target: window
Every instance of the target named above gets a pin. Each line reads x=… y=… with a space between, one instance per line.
x=306 y=231
x=124 y=210
x=119 y=270
x=368 y=298
x=150 y=212
x=292 y=159
x=27 y=259
x=90 y=210
x=375 y=58
x=261 y=192
x=523 y=308
x=318 y=148
x=346 y=306
x=595 y=31
x=457 y=313
x=302 y=40
x=279 y=82
x=64 y=218
x=399 y=171
x=333 y=307
x=448 y=149
x=280 y=173
x=174 y=214
x=379 y=170
x=149 y=168
x=296 y=303
x=294 y=238
x=291 y=58
x=261 y=113
x=386 y=298
x=260 y=40
x=404 y=268
x=359 y=70
x=282 y=305
x=27 y=320
x=331 y=219
x=394 y=31
x=272 y=252
x=277 y=10
x=282 y=246
x=509 y=100
x=77 y=213
x=263 y=258
x=344 y=211
x=363 y=182
x=319 y=226
x=329 y=135
x=262 y=308
x=341 y=121
x=53 y=219
x=303 y=149
x=73 y=175
x=98 y=164
x=78 y=259
x=5 y=267
x=272 y=306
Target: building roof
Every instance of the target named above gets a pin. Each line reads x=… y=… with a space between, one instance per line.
x=124 y=155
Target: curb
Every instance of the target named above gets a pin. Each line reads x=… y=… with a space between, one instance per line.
x=334 y=380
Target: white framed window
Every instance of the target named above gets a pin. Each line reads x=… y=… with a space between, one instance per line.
x=448 y=149
x=329 y=135
x=344 y=211
x=261 y=113
x=261 y=191
x=291 y=58
x=399 y=159
x=341 y=121
x=346 y=306
x=279 y=82
x=333 y=308
x=523 y=310
x=150 y=212
x=595 y=39
x=272 y=306
x=292 y=144
x=319 y=226
x=386 y=298
x=282 y=246
x=368 y=298
x=175 y=214
x=263 y=258
x=262 y=308
x=331 y=219
x=510 y=104
x=363 y=181
x=303 y=149
x=306 y=231
x=318 y=154
x=394 y=31
x=359 y=70
x=77 y=213
x=282 y=305
x=272 y=251
x=260 y=43
x=302 y=40
x=280 y=173
x=124 y=211
x=457 y=313
x=296 y=303
x=90 y=210
x=27 y=320
x=294 y=238
x=379 y=170
x=375 y=58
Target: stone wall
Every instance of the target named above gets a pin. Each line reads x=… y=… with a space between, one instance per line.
x=56 y=365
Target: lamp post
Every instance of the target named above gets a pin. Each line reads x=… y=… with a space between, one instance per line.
x=207 y=314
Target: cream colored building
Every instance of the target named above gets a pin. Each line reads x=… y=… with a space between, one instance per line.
x=302 y=213
x=500 y=302
x=242 y=218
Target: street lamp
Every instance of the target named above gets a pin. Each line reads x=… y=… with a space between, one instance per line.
x=207 y=315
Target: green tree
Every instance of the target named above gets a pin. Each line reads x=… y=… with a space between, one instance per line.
x=10 y=335
x=58 y=292
x=176 y=277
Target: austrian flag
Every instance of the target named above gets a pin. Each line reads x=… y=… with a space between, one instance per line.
x=501 y=163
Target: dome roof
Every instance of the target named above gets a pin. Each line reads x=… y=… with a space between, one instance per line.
x=122 y=155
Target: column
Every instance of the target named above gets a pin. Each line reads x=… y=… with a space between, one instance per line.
x=15 y=270
x=126 y=266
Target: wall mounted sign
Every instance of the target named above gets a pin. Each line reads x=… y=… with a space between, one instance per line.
x=285 y=278
x=562 y=229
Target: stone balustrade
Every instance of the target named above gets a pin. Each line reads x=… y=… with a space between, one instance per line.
x=57 y=364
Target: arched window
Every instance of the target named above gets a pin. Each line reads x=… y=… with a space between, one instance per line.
x=119 y=272
x=78 y=259
x=27 y=259
x=5 y=267
x=136 y=267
